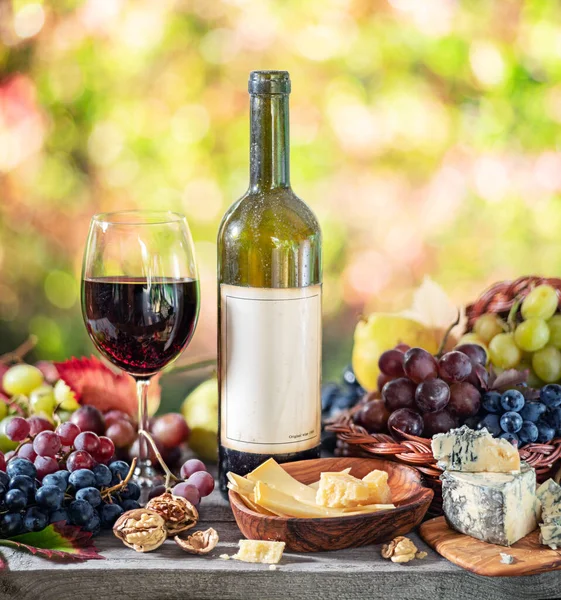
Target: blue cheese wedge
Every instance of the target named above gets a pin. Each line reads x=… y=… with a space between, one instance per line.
x=499 y=508
x=550 y=533
x=472 y=451
x=549 y=495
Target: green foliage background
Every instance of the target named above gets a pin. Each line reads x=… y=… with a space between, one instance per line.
x=425 y=135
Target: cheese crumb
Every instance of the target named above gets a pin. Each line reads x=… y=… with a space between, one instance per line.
x=421 y=555
x=259 y=551
x=273 y=567
x=507 y=559
x=225 y=556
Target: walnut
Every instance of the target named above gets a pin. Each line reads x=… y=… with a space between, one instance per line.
x=140 y=529
x=399 y=550
x=200 y=542
x=178 y=513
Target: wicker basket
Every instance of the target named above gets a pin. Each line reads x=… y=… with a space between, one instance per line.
x=415 y=451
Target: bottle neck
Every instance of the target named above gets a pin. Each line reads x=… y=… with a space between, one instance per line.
x=269 y=142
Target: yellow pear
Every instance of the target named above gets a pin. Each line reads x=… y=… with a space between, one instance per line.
x=200 y=410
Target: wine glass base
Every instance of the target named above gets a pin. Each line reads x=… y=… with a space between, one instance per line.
x=147 y=478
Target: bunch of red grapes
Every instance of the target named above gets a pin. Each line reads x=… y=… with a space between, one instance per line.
x=423 y=395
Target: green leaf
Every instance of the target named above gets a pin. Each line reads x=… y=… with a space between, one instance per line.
x=56 y=541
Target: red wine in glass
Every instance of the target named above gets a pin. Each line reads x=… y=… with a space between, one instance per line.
x=140 y=325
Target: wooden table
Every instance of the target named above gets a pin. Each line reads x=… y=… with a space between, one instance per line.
x=170 y=573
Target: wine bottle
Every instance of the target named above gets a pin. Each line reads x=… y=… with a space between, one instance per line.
x=269 y=302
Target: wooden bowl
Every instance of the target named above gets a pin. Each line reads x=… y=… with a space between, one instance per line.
x=412 y=501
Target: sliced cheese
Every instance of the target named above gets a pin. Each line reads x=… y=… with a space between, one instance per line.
x=241 y=482
x=378 y=483
x=472 y=451
x=259 y=551
x=248 y=501
x=271 y=473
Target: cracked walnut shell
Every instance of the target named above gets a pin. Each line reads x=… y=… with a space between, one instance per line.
x=200 y=542
x=399 y=550
x=140 y=529
x=178 y=513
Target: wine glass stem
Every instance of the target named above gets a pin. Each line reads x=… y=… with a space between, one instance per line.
x=144 y=469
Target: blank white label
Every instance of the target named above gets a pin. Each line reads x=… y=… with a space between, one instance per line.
x=270 y=368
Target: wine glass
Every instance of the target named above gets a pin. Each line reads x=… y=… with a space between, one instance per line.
x=140 y=301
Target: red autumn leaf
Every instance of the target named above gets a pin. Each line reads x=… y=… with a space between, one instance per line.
x=57 y=541
x=507 y=379
x=97 y=385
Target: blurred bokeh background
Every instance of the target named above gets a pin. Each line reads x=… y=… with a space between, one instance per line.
x=425 y=135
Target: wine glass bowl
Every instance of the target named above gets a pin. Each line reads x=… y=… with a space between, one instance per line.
x=140 y=298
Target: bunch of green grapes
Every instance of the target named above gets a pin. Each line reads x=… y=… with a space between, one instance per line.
x=533 y=343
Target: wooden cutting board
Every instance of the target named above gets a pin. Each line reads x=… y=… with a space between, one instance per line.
x=530 y=557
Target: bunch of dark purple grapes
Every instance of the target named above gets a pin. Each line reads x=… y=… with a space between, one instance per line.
x=423 y=395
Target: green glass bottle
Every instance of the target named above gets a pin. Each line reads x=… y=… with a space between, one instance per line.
x=269 y=302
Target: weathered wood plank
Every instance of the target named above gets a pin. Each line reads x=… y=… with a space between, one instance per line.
x=170 y=573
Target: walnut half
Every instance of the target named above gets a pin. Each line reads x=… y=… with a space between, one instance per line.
x=140 y=529
x=178 y=513
x=200 y=542
x=400 y=550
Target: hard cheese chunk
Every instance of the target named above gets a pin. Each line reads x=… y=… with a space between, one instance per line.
x=342 y=490
x=549 y=495
x=258 y=551
x=550 y=533
x=472 y=451
x=499 y=508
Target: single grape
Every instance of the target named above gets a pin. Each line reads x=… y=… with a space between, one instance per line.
x=419 y=365
x=382 y=380
x=109 y=514
x=67 y=433
x=511 y=422
x=203 y=481
x=17 y=429
x=465 y=399
x=533 y=411
x=45 y=465
x=21 y=466
x=406 y=420
x=554 y=419
x=39 y=424
x=349 y=376
x=156 y=491
x=79 y=460
x=82 y=478
x=512 y=400
x=60 y=515
x=89 y=418
x=545 y=432
x=488 y=326
x=492 y=402
x=504 y=352
x=130 y=505
x=432 y=395
x=106 y=450
x=15 y=500
x=4 y=479
x=93 y=525
x=121 y=433
x=35 y=519
x=547 y=364
x=21 y=379
x=89 y=494
x=170 y=430
x=454 y=367
x=23 y=483
x=510 y=437
x=341 y=404
x=541 y=302
x=479 y=376
x=188 y=491
x=42 y=400
x=193 y=465
x=402 y=347
x=373 y=416
x=399 y=393
x=391 y=363
x=438 y=422
x=87 y=441
x=3 y=460
x=60 y=479
x=531 y=335
x=528 y=432
x=11 y=524
x=26 y=451
x=80 y=512
x=103 y=475
x=120 y=469
x=130 y=492
x=554 y=325
x=47 y=443
x=65 y=397
x=49 y=496
x=329 y=392
x=475 y=352
x=492 y=424
x=116 y=416
x=550 y=395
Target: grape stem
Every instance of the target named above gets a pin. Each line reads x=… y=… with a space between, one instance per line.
x=444 y=341
x=511 y=319
x=169 y=475
x=122 y=484
x=16 y=356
